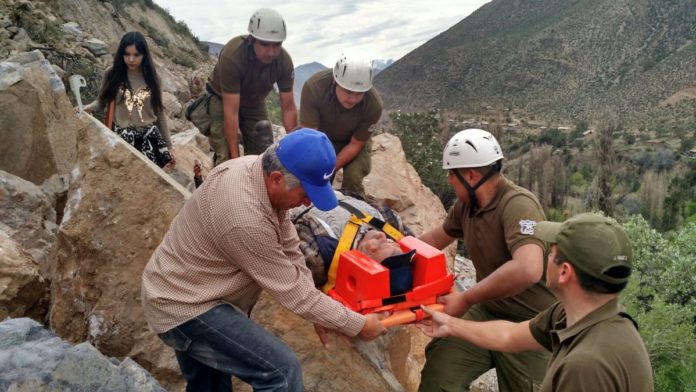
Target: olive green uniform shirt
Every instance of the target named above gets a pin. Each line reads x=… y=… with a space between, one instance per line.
x=321 y=110
x=601 y=352
x=492 y=235
x=239 y=72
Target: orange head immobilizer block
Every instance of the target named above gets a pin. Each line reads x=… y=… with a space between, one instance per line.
x=363 y=284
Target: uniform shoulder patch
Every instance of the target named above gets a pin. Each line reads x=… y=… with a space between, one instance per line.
x=527 y=226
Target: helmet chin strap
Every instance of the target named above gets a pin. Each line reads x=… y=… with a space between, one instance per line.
x=473 y=201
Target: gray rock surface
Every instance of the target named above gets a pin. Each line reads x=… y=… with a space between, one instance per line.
x=96 y=46
x=33 y=359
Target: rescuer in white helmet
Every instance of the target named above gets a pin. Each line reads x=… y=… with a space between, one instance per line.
x=234 y=100
x=343 y=103
x=496 y=220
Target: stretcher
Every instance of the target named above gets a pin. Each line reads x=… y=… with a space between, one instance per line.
x=362 y=284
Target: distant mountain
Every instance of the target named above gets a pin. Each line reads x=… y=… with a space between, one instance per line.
x=562 y=59
x=379 y=65
x=214 y=48
x=302 y=73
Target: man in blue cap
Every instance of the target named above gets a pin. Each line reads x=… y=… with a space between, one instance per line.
x=231 y=240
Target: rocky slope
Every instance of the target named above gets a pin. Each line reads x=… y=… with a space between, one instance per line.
x=80 y=37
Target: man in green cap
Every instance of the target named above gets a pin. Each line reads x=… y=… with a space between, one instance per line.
x=595 y=346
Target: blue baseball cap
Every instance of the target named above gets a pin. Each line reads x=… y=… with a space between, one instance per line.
x=309 y=155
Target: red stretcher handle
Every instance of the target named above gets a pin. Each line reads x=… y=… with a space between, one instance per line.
x=410 y=316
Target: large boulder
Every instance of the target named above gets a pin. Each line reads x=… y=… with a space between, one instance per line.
x=389 y=363
x=30 y=218
x=23 y=291
x=37 y=128
x=338 y=368
x=119 y=207
x=33 y=359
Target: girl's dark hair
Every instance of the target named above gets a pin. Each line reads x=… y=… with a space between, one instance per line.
x=117 y=75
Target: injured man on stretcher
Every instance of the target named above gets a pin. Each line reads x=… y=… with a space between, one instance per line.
x=321 y=231
x=361 y=254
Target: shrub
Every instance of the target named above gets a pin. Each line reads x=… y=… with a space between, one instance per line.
x=184 y=59
x=553 y=137
x=660 y=296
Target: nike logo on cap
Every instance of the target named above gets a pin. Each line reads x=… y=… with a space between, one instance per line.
x=328 y=176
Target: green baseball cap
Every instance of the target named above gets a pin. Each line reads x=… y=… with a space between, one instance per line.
x=593 y=243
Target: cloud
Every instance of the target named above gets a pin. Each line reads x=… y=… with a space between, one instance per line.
x=320 y=30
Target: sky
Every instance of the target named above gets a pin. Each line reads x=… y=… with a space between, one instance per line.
x=321 y=30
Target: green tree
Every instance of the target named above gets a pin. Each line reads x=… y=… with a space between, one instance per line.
x=580 y=128
x=681 y=195
x=577 y=183
x=422 y=138
x=600 y=195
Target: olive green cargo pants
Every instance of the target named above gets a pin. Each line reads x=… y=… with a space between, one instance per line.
x=357 y=169
x=452 y=364
x=254 y=139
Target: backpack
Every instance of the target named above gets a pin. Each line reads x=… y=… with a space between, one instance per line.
x=198 y=113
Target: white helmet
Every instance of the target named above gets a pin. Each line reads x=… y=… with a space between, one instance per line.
x=471 y=148
x=267 y=25
x=353 y=74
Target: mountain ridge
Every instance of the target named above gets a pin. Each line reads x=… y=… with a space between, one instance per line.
x=561 y=59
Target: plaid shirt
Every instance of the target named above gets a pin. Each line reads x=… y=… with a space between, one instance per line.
x=225 y=246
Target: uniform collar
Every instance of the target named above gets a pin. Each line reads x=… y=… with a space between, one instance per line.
x=604 y=312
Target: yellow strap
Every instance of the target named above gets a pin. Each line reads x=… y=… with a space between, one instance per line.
x=392 y=232
x=346 y=241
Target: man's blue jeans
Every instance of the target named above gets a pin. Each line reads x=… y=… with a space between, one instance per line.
x=223 y=342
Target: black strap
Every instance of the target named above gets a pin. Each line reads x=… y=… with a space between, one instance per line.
x=301 y=214
x=351 y=209
x=628 y=316
x=374 y=222
x=473 y=201
x=209 y=90
x=393 y=300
